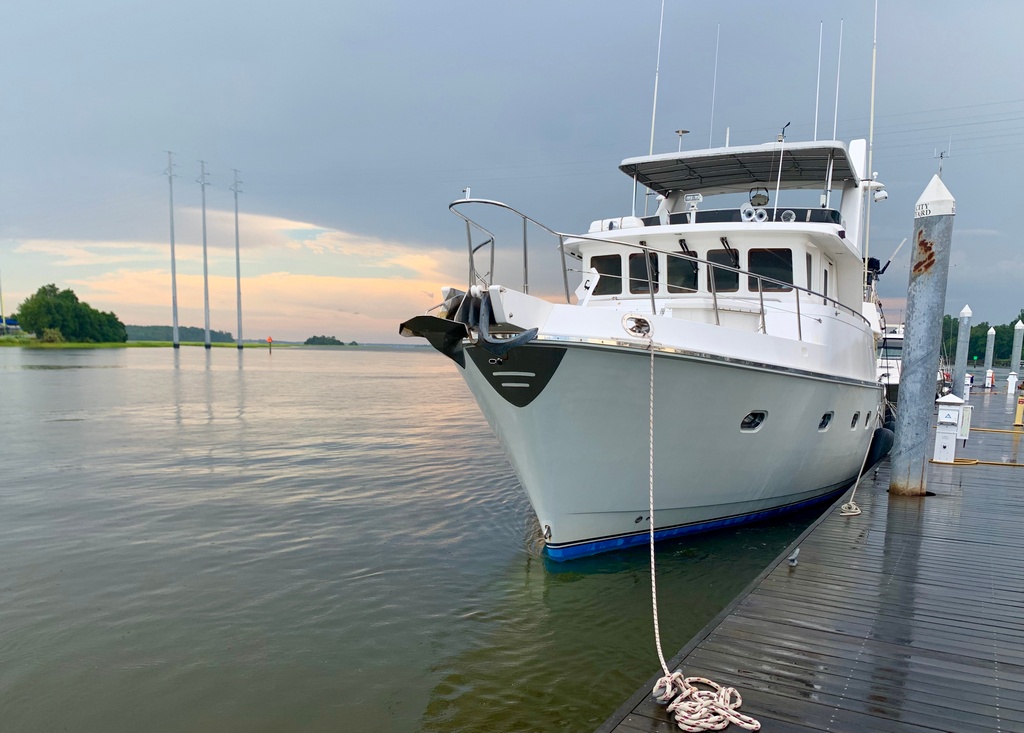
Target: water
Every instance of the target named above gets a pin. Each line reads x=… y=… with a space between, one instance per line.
x=314 y=540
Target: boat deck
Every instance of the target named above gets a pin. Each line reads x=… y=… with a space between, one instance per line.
x=908 y=617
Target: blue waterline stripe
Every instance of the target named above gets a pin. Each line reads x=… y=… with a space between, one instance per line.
x=570 y=552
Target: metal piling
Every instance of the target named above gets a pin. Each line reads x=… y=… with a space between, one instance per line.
x=926 y=297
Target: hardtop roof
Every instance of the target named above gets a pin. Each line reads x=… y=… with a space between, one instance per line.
x=730 y=170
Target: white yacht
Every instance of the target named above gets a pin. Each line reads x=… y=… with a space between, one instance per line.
x=743 y=292
x=890 y=365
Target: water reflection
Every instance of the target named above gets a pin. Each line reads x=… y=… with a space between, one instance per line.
x=567 y=642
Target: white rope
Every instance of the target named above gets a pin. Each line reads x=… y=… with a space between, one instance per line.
x=696 y=710
x=693 y=709
x=650 y=509
x=850 y=508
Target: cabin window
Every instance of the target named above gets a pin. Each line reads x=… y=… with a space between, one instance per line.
x=753 y=421
x=610 y=269
x=725 y=281
x=774 y=263
x=809 y=272
x=682 y=273
x=891 y=349
x=638 y=274
x=826 y=420
x=867 y=419
x=856 y=419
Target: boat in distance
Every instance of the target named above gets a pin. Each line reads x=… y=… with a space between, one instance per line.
x=737 y=336
x=890 y=365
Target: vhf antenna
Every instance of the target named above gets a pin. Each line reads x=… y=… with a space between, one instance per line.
x=943 y=154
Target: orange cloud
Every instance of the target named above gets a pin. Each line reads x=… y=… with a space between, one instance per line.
x=282 y=305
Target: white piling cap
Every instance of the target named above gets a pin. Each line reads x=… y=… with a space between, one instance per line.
x=1019 y=326
x=966 y=312
x=935 y=201
x=992 y=331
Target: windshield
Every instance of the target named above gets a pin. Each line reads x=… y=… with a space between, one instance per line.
x=890 y=349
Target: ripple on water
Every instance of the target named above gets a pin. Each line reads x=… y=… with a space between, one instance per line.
x=244 y=543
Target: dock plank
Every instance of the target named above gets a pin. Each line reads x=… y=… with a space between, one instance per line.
x=908 y=617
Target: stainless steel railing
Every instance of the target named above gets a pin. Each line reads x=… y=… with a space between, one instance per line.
x=485 y=279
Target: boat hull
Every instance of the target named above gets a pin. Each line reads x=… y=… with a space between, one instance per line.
x=574 y=420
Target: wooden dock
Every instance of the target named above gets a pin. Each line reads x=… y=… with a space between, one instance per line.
x=908 y=617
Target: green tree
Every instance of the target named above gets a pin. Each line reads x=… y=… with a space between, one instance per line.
x=61 y=310
x=323 y=341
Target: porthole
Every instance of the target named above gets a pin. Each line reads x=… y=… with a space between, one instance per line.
x=855 y=420
x=753 y=421
x=867 y=420
x=826 y=419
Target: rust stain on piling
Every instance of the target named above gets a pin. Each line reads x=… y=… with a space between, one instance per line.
x=926 y=254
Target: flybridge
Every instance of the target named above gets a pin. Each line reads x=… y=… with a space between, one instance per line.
x=731 y=170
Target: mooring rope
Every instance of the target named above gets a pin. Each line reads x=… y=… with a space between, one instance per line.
x=693 y=709
x=850 y=508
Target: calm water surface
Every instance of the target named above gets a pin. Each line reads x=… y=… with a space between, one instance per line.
x=309 y=540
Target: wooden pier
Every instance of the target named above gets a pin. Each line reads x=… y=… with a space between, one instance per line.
x=908 y=617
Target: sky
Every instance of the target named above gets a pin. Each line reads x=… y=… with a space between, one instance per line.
x=355 y=124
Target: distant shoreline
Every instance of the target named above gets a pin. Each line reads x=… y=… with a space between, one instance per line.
x=31 y=344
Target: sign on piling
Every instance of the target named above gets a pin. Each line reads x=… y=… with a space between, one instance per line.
x=926 y=298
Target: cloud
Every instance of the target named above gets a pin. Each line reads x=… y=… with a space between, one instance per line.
x=281 y=304
x=79 y=253
x=298 y=279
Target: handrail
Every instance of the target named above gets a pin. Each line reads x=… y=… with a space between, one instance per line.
x=643 y=247
x=470 y=223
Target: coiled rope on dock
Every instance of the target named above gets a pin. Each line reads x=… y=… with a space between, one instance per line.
x=693 y=709
x=696 y=710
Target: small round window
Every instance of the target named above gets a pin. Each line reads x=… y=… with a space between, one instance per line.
x=867 y=419
x=855 y=420
x=753 y=421
x=826 y=420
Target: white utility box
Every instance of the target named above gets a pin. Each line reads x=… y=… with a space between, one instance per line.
x=947 y=429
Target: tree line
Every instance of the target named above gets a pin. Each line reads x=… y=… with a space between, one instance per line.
x=185 y=333
x=58 y=315
x=979 y=338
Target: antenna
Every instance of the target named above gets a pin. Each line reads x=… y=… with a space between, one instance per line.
x=680 y=133
x=657 y=70
x=174 y=275
x=817 y=85
x=714 y=88
x=654 y=110
x=871 y=146
x=203 y=183
x=892 y=257
x=942 y=155
x=237 y=188
x=839 y=64
x=778 y=182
